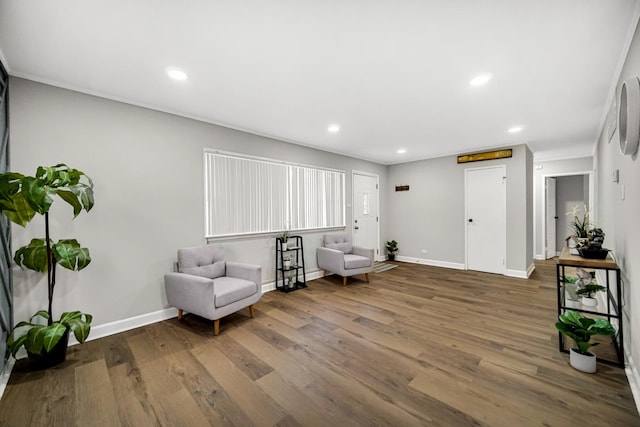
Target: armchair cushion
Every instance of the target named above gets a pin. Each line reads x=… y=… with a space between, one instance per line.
x=204 y=261
x=356 y=261
x=231 y=289
x=340 y=241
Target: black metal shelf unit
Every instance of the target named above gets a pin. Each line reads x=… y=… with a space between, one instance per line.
x=611 y=309
x=292 y=275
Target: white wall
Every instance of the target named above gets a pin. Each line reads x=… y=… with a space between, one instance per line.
x=147 y=168
x=619 y=218
x=430 y=215
x=541 y=171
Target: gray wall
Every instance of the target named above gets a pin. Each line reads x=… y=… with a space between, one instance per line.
x=149 y=185
x=430 y=215
x=570 y=191
x=619 y=218
x=541 y=171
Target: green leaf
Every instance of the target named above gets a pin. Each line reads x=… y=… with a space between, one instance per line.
x=41 y=313
x=18 y=210
x=37 y=194
x=14 y=346
x=66 y=253
x=84 y=258
x=72 y=199
x=85 y=194
x=33 y=256
x=80 y=329
x=52 y=335
x=35 y=339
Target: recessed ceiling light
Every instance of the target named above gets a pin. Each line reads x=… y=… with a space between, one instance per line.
x=334 y=128
x=402 y=151
x=176 y=74
x=480 y=79
x=515 y=129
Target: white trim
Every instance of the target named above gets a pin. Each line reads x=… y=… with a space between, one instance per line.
x=377 y=177
x=6 y=374
x=432 y=262
x=503 y=167
x=520 y=274
x=539 y=257
x=634 y=380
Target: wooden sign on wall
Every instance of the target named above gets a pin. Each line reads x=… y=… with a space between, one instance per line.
x=489 y=155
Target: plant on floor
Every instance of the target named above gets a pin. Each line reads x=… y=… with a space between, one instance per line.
x=392 y=248
x=21 y=198
x=581 y=328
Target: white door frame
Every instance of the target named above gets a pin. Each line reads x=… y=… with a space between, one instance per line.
x=466 y=215
x=377 y=253
x=543 y=208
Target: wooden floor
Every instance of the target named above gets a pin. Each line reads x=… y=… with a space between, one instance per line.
x=418 y=345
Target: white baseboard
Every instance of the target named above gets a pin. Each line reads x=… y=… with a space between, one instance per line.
x=634 y=380
x=540 y=257
x=521 y=274
x=5 y=374
x=432 y=262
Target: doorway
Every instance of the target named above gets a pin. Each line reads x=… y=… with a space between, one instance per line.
x=366 y=221
x=486 y=225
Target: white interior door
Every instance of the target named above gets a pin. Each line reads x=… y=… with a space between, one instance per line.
x=365 y=211
x=551 y=218
x=485 y=193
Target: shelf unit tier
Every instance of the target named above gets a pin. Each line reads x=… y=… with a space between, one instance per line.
x=296 y=270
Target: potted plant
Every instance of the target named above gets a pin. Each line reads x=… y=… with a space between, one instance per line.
x=284 y=236
x=286 y=262
x=580 y=224
x=392 y=248
x=570 y=285
x=580 y=329
x=592 y=247
x=21 y=198
x=588 y=294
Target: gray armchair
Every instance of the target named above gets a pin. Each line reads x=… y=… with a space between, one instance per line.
x=208 y=286
x=339 y=256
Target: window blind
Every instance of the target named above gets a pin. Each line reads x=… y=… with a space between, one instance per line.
x=245 y=195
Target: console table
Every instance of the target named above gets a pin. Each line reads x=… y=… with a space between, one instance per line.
x=611 y=309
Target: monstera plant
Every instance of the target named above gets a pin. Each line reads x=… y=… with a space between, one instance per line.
x=21 y=198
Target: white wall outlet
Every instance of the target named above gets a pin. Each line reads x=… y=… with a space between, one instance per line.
x=424 y=251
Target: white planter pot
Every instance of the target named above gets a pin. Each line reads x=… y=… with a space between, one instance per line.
x=582 y=362
x=287 y=265
x=589 y=302
x=284 y=246
x=573 y=303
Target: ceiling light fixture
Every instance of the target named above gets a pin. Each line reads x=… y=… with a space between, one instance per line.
x=515 y=129
x=176 y=74
x=334 y=128
x=402 y=151
x=480 y=79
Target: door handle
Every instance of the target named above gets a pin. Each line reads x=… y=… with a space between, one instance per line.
x=356 y=227
x=470 y=219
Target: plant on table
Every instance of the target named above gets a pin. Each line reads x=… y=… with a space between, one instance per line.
x=580 y=223
x=589 y=290
x=21 y=198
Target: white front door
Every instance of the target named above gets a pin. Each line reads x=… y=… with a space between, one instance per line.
x=485 y=193
x=365 y=211
x=551 y=218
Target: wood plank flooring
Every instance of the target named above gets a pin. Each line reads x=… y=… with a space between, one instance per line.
x=418 y=345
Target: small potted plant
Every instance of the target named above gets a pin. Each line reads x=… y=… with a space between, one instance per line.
x=286 y=262
x=392 y=248
x=580 y=224
x=570 y=285
x=580 y=329
x=587 y=292
x=284 y=236
x=592 y=247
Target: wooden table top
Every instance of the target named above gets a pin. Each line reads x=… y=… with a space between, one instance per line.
x=566 y=258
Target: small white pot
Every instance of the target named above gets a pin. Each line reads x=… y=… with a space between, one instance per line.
x=287 y=265
x=284 y=246
x=589 y=302
x=582 y=362
x=573 y=303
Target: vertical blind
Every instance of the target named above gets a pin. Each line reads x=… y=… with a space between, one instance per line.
x=245 y=195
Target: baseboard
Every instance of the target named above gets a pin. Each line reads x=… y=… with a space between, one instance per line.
x=540 y=258
x=634 y=380
x=520 y=274
x=432 y=262
x=5 y=374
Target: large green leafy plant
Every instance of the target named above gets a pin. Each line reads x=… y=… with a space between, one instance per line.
x=21 y=198
x=581 y=328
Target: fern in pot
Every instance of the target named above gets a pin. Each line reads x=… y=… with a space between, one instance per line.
x=21 y=198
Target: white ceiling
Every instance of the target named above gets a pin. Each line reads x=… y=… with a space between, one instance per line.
x=393 y=73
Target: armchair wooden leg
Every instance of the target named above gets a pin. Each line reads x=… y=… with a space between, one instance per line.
x=180 y=313
x=216 y=327
x=251 y=312
x=344 y=281
x=366 y=276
